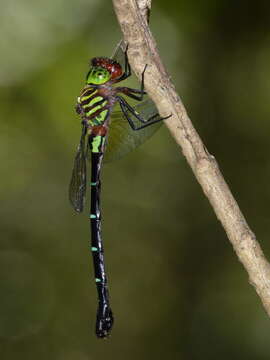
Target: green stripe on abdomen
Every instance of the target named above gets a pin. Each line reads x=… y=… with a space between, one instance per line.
x=97 y=144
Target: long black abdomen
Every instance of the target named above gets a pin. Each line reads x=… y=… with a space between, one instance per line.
x=104 y=319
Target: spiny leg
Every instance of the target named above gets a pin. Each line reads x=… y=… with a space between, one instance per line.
x=127 y=72
x=130 y=91
x=130 y=121
x=126 y=108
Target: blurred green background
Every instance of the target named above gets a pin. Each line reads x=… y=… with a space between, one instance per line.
x=177 y=288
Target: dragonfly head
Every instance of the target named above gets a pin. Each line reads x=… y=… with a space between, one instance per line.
x=103 y=70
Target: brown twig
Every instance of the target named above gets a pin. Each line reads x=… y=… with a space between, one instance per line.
x=142 y=49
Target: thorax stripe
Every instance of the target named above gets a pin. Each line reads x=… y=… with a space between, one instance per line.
x=92 y=102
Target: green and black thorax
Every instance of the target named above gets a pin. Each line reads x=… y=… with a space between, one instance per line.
x=98 y=97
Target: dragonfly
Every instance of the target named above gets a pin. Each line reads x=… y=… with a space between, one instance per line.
x=107 y=135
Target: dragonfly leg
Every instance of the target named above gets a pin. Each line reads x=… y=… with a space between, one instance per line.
x=126 y=109
x=125 y=112
x=130 y=91
x=127 y=71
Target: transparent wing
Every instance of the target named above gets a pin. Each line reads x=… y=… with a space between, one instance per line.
x=122 y=138
x=77 y=187
x=119 y=53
